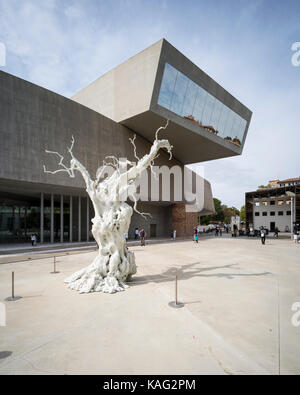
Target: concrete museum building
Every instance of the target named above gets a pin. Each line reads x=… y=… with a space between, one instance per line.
x=158 y=84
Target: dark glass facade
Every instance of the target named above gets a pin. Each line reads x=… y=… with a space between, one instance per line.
x=184 y=97
x=20 y=217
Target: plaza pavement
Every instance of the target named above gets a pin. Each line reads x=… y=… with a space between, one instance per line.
x=238 y=297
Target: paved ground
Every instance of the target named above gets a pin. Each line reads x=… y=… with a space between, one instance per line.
x=238 y=296
x=9 y=250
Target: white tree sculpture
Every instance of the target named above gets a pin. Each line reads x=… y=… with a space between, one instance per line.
x=115 y=264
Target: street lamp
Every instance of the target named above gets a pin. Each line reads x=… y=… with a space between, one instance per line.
x=292 y=195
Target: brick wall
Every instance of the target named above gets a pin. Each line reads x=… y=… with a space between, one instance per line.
x=182 y=221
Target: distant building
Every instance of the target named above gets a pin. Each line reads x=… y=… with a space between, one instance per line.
x=284 y=183
x=274 y=206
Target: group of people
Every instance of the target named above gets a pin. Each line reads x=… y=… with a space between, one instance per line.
x=218 y=231
x=138 y=234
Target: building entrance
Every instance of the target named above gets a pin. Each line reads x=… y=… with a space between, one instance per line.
x=152 y=230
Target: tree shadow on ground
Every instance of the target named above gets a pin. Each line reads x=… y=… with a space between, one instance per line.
x=185 y=272
x=5 y=354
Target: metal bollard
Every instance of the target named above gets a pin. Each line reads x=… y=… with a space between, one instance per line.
x=176 y=279
x=13 y=297
x=54 y=265
x=176 y=304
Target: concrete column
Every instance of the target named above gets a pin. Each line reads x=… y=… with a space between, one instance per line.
x=79 y=218
x=87 y=218
x=61 y=218
x=19 y=218
x=71 y=220
x=13 y=218
x=52 y=219
x=25 y=221
x=42 y=219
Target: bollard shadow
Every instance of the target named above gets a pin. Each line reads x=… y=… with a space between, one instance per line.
x=191 y=271
x=195 y=301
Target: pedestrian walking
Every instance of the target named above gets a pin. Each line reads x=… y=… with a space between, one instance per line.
x=263 y=235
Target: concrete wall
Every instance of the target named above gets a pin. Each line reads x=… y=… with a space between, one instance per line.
x=160 y=215
x=127 y=89
x=33 y=119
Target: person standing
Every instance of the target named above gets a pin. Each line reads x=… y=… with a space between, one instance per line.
x=234 y=230
x=136 y=233
x=262 y=235
x=32 y=239
x=142 y=236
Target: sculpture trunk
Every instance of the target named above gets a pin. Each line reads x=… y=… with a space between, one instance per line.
x=115 y=264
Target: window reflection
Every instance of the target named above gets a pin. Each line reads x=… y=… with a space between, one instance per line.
x=179 y=93
x=187 y=99
x=167 y=86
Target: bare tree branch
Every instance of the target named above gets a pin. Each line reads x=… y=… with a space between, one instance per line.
x=162 y=127
x=144 y=215
x=132 y=140
x=74 y=165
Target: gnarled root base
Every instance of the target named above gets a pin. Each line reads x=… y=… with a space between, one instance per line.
x=103 y=276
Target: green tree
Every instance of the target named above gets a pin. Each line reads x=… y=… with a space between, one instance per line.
x=243 y=213
x=229 y=212
x=218 y=216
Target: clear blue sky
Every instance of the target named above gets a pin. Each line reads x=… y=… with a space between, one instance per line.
x=244 y=45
